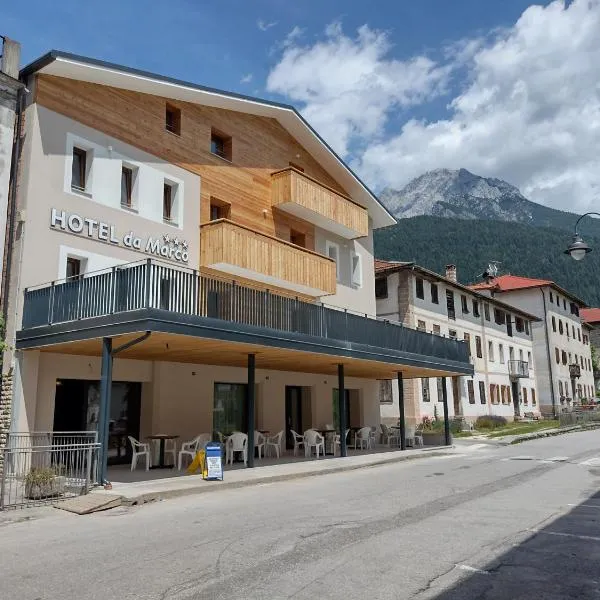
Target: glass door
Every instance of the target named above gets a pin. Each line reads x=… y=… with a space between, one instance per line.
x=293 y=414
x=230 y=411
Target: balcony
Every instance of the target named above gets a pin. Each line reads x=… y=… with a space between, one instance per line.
x=207 y=313
x=518 y=369
x=237 y=250
x=304 y=197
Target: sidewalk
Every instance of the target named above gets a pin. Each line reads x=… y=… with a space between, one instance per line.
x=140 y=492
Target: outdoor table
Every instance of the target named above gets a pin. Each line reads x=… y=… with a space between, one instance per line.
x=325 y=433
x=162 y=437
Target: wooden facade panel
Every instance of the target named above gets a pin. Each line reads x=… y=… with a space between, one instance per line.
x=232 y=244
x=260 y=145
x=289 y=185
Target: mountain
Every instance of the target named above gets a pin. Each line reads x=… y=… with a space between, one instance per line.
x=521 y=249
x=463 y=195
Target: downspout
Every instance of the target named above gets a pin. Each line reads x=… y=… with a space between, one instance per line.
x=548 y=355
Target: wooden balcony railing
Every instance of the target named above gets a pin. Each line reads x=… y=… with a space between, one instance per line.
x=232 y=248
x=305 y=197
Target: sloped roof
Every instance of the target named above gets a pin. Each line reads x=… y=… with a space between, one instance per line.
x=590 y=315
x=389 y=266
x=81 y=68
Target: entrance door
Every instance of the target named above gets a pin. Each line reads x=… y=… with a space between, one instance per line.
x=456 y=396
x=293 y=413
x=230 y=411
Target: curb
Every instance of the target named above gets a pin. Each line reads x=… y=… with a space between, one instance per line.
x=553 y=432
x=147 y=497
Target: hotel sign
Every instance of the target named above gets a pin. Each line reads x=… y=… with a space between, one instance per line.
x=166 y=246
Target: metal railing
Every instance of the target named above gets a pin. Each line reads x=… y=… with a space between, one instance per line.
x=518 y=368
x=47 y=467
x=152 y=284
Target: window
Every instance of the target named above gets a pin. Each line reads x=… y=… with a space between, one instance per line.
x=564 y=304
x=464 y=305
x=511 y=353
x=501 y=353
x=564 y=357
x=475 y=308
x=560 y=388
x=533 y=400
x=529 y=360
x=173 y=119
x=333 y=251
x=578 y=335
x=452 y=334
x=573 y=331
x=421 y=325
x=499 y=316
x=478 y=347
x=482 y=392
x=440 y=388
x=221 y=145
x=585 y=339
x=560 y=327
x=419 y=286
x=436 y=329
x=386 y=395
x=434 y=294
x=219 y=209
x=521 y=355
x=491 y=351
x=551 y=297
x=425 y=389
x=296 y=166
x=381 y=287
x=557 y=354
x=467 y=338
x=79 y=169
x=168 y=202
x=525 y=399
x=486 y=311
x=356 y=265
x=298 y=238
x=450 y=305
x=73 y=268
x=527 y=327
x=519 y=324
x=553 y=324
x=493 y=393
x=126 y=187
x=471 y=391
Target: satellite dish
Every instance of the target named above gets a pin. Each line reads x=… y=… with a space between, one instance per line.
x=492 y=270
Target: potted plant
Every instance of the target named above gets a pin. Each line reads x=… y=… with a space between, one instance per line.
x=433 y=432
x=43 y=482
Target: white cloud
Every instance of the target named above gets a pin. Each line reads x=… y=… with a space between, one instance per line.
x=246 y=78
x=528 y=109
x=264 y=25
x=349 y=85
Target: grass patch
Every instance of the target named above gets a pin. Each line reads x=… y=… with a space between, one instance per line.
x=523 y=428
x=461 y=434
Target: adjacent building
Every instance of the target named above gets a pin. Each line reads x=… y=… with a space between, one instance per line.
x=561 y=343
x=590 y=318
x=498 y=336
x=206 y=252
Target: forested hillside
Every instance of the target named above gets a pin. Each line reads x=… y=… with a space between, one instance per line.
x=520 y=249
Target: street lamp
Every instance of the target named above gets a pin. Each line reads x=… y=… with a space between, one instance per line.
x=578 y=248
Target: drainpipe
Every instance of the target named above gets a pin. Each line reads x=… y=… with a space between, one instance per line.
x=548 y=355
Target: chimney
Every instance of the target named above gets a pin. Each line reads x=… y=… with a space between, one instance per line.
x=451 y=272
x=10 y=53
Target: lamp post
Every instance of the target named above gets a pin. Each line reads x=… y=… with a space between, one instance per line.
x=578 y=248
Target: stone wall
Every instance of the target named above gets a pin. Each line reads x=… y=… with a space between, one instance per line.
x=6 y=394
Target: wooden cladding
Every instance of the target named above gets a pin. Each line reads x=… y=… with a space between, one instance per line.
x=306 y=197
x=233 y=248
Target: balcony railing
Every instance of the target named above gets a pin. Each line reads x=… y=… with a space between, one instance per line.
x=307 y=198
x=235 y=249
x=518 y=369
x=154 y=285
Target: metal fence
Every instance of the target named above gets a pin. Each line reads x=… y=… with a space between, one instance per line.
x=45 y=467
x=151 y=284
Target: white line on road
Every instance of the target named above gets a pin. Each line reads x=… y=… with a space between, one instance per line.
x=472 y=569
x=556 y=459
x=573 y=535
x=591 y=462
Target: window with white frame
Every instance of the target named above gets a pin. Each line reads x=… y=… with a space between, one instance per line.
x=491 y=351
x=501 y=352
x=356 y=265
x=332 y=250
x=81 y=163
x=170 y=204
x=129 y=175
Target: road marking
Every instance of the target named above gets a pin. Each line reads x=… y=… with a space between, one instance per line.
x=591 y=462
x=555 y=459
x=472 y=569
x=519 y=458
x=573 y=535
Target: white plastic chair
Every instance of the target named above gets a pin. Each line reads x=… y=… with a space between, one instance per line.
x=139 y=449
x=274 y=442
x=313 y=439
x=259 y=442
x=363 y=437
x=171 y=448
x=373 y=437
x=237 y=442
x=298 y=441
x=191 y=448
x=390 y=435
x=337 y=441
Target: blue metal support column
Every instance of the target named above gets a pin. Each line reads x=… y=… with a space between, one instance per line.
x=105 y=398
x=401 y=407
x=251 y=407
x=342 y=410
x=446 y=421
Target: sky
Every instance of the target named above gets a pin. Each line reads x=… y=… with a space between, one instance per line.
x=503 y=88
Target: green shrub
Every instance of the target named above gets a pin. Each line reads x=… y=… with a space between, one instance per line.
x=490 y=422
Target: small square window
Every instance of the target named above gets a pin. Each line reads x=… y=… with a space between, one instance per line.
x=221 y=145
x=436 y=329
x=421 y=326
x=173 y=119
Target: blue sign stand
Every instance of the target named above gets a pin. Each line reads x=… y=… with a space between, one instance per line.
x=214 y=461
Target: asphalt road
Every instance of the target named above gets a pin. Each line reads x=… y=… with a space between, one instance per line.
x=488 y=522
